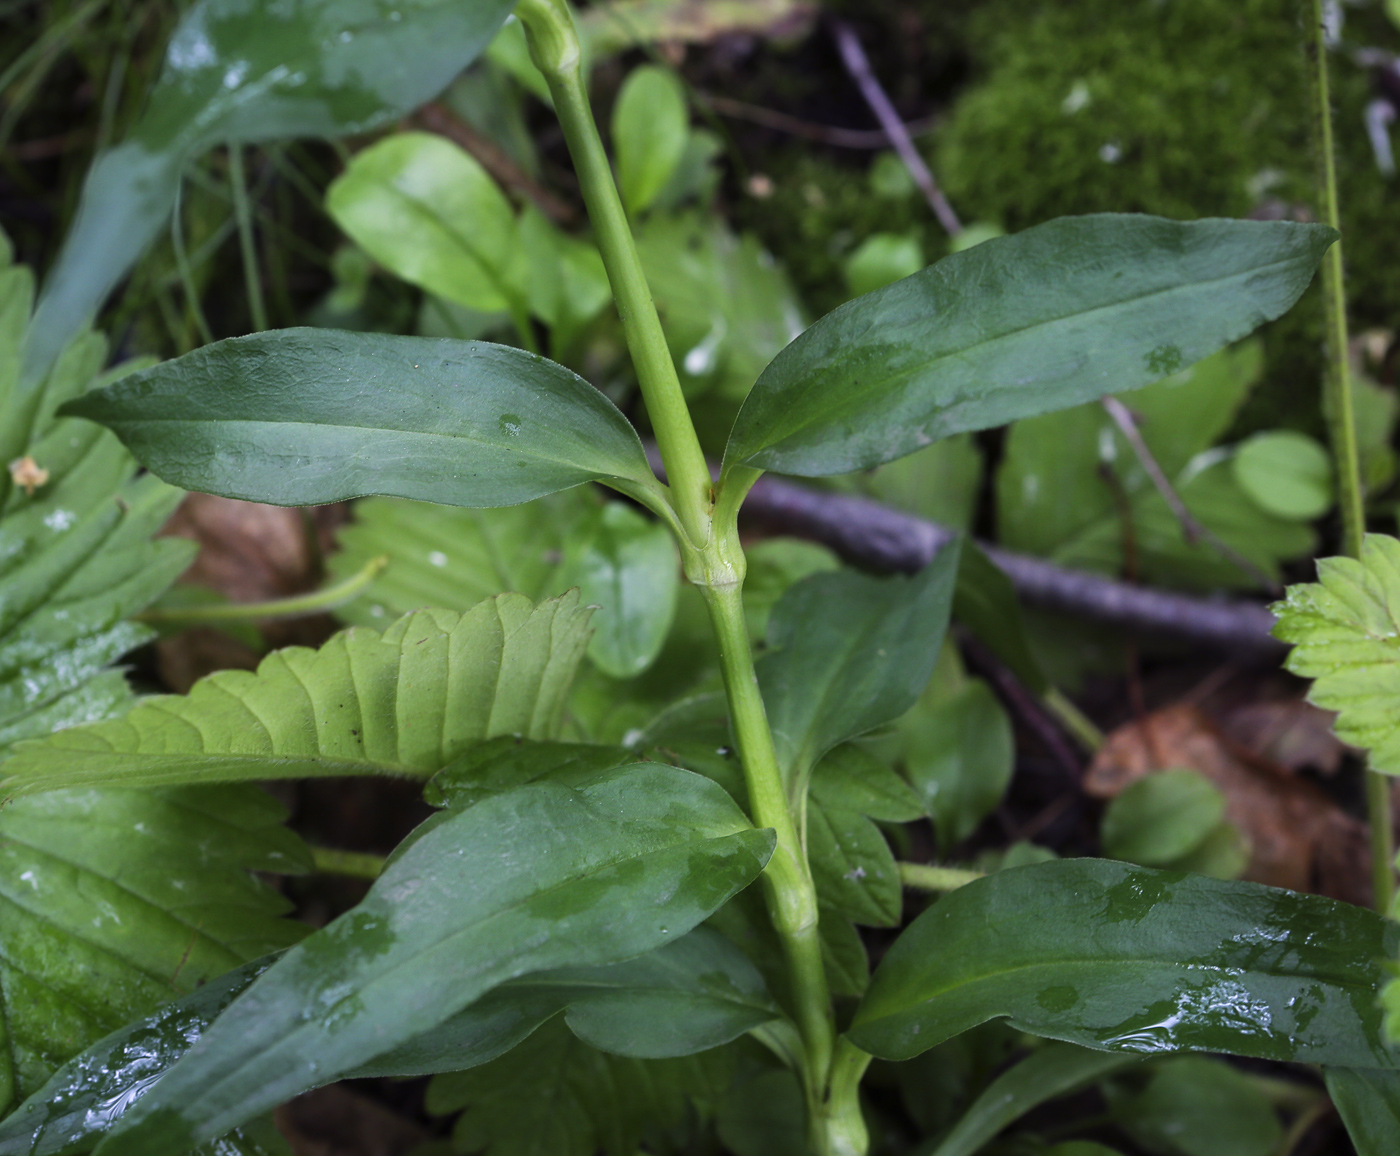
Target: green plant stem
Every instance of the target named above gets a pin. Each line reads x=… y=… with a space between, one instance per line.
x=318 y=600
x=1339 y=410
x=356 y=864
x=555 y=48
x=791 y=894
x=242 y=210
x=927 y=877
x=1073 y=719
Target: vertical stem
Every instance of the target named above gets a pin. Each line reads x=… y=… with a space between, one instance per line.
x=1340 y=413
x=554 y=45
x=243 y=212
x=792 y=897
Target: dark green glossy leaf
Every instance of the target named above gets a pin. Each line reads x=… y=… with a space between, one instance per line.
x=507 y=762
x=405 y=702
x=848 y=653
x=1047 y=1073
x=764 y=1116
x=615 y=868
x=554 y=1095
x=1195 y=1106
x=959 y=753
x=1052 y=317
x=303 y=416
x=1125 y=958
x=1369 y=1103
x=90 y=1092
x=250 y=70
x=985 y=602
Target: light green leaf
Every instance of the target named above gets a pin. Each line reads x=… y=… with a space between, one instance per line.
x=558 y=1096
x=617 y=867
x=406 y=702
x=428 y=212
x=1052 y=317
x=249 y=71
x=1162 y=817
x=285 y=417
x=650 y=124
x=1286 y=473
x=441 y=556
x=848 y=653
x=1345 y=631
x=1047 y=1073
x=1194 y=1106
x=1130 y=959
x=880 y=260
x=1369 y=1103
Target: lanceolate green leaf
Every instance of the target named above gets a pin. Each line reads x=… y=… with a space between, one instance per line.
x=1346 y=634
x=615 y=868
x=1369 y=1104
x=250 y=71
x=1130 y=959
x=406 y=702
x=1052 y=1071
x=1058 y=315
x=649 y=129
x=302 y=416
x=849 y=653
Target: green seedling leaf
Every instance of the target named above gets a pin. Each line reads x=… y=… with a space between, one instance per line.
x=959 y=754
x=985 y=602
x=650 y=124
x=774 y=565
x=1195 y=1106
x=1050 y=1072
x=1130 y=959
x=555 y=1094
x=1369 y=1103
x=241 y=72
x=1345 y=630
x=287 y=417
x=1286 y=473
x=442 y=556
x=1052 y=317
x=849 y=653
x=617 y=868
x=428 y=212
x=407 y=703
x=880 y=260
x=1162 y=817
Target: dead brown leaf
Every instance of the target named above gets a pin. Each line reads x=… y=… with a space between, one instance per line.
x=1291 y=733
x=1299 y=838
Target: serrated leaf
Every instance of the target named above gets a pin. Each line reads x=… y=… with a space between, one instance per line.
x=285 y=417
x=556 y=1096
x=1130 y=959
x=1052 y=317
x=239 y=72
x=847 y=653
x=406 y=702
x=616 y=867
x=111 y=902
x=1345 y=631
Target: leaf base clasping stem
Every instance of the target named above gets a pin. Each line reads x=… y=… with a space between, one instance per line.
x=714 y=561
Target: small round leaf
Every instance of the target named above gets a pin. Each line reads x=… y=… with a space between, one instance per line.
x=1286 y=473
x=1162 y=817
